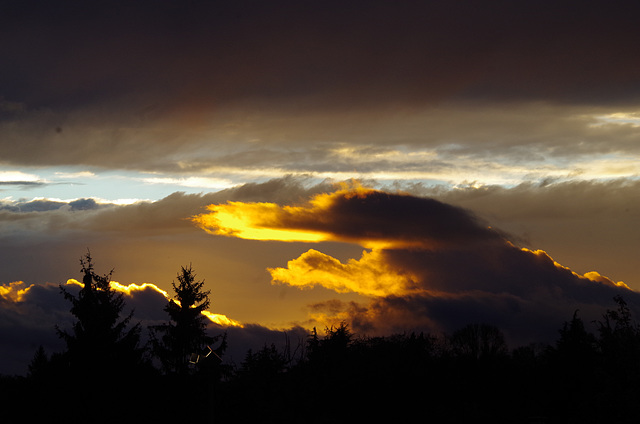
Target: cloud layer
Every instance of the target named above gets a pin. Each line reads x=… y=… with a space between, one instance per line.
x=216 y=92
x=430 y=267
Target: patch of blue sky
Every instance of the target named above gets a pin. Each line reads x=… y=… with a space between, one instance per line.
x=112 y=186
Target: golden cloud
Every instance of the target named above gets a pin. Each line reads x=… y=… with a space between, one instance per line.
x=15 y=291
x=254 y=221
x=369 y=276
x=270 y=221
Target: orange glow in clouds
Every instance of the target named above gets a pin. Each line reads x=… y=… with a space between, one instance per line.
x=358 y=215
x=254 y=221
x=15 y=291
x=270 y=221
x=591 y=275
x=369 y=276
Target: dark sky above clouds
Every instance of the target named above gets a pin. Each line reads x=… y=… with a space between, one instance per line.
x=220 y=52
x=119 y=121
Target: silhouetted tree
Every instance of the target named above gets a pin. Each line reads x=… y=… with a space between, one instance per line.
x=313 y=342
x=574 y=378
x=39 y=364
x=576 y=344
x=619 y=342
x=99 y=342
x=185 y=334
x=333 y=347
x=620 y=336
x=102 y=354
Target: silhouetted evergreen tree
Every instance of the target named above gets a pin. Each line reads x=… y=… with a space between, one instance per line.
x=102 y=354
x=39 y=364
x=99 y=341
x=185 y=334
x=573 y=373
x=190 y=365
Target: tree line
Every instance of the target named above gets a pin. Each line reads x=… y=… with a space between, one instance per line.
x=106 y=373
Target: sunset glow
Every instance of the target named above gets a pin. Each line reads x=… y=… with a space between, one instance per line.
x=131 y=289
x=269 y=221
x=397 y=167
x=376 y=274
x=313 y=221
x=368 y=276
x=253 y=221
x=14 y=291
x=592 y=276
x=221 y=319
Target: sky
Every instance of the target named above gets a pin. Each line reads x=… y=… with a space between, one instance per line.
x=400 y=166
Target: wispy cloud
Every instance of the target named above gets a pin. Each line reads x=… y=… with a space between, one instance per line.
x=74 y=175
x=198 y=182
x=8 y=178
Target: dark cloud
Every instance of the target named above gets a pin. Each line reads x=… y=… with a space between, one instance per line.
x=383 y=216
x=23 y=184
x=50 y=205
x=27 y=324
x=586 y=225
x=437 y=268
x=31 y=206
x=83 y=204
x=524 y=293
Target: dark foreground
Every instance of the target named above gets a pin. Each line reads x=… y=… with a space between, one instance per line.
x=469 y=376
